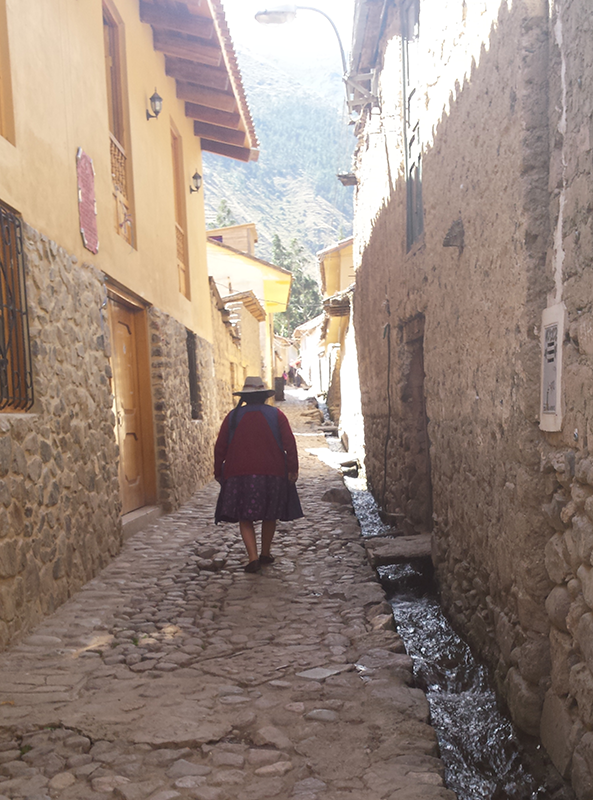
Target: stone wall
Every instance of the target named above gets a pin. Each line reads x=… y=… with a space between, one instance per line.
x=184 y=446
x=228 y=363
x=59 y=495
x=448 y=336
x=567 y=456
x=59 y=491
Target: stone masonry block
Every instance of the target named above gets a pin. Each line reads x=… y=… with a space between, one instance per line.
x=582 y=768
x=583 y=533
x=5 y=455
x=581 y=688
x=534 y=660
x=560 y=730
x=564 y=657
x=558 y=606
x=9 y=558
x=584 y=637
x=556 y=559
x=524 y=701
x=532 y=615
x=585 y=575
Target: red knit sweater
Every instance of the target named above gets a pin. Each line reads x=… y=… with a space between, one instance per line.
x=253 y=449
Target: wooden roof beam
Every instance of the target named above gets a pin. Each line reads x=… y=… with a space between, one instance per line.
x=176 y=21
x=171 y=44
x=198 y=6
x=210 y=77
x=212 y=116
x=193 y=93
x=219 y=134
x=238 y=153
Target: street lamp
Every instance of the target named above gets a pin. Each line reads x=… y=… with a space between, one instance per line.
x=358 y=93
x=281 y=14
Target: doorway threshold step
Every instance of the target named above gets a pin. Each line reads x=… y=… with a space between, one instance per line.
x=139 y=519
x=382 y=551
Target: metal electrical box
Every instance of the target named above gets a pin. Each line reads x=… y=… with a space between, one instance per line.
x=551 y=386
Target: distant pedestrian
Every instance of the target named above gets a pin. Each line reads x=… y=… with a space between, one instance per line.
x=256 y=464
x=291 y=374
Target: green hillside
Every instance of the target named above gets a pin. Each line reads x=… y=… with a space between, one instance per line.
x=292 y=191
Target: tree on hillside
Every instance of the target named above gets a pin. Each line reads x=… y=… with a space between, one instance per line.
x=224 y=216
x=305 y=298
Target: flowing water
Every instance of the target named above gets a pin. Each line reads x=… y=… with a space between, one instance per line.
x=483 y=755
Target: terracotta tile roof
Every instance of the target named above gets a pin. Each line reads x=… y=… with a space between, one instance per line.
x=233 y=68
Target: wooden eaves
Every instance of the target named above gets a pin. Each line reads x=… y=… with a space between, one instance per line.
x=249 y=300
x=194 y=37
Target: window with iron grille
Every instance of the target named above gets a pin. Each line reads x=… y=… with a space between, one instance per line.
x=412 y=141
x=16 y=381
x=195 y=395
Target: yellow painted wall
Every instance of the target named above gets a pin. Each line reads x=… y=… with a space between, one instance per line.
x=235 y=272
x=339 y=275
x=250 y=346
x=339 y=269
x=241 y=237
x=60 y=104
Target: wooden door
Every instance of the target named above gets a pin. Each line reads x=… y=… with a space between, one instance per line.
x=134 y=446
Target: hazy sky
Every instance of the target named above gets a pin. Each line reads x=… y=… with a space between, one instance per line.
x=307 y=38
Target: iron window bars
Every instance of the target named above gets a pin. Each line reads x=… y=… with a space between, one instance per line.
x=16 y=378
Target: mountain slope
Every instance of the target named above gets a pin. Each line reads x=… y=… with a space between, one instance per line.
x=305 y=141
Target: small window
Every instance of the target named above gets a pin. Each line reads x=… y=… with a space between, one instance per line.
x=195 y=395
x=16 y=380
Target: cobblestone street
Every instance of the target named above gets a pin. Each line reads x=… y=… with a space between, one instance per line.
x=174 y=674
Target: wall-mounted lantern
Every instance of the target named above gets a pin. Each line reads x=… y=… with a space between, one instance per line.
x=196 y=180
x=156 y=104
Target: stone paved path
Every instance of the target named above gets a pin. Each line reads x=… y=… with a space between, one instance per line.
x=176 y=675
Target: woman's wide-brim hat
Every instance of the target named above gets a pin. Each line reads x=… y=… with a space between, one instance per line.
x=255 y=385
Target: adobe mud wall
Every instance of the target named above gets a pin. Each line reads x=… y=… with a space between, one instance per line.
x=567 y=456
x=458 y=328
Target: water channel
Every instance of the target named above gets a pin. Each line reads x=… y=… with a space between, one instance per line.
x=484 y=756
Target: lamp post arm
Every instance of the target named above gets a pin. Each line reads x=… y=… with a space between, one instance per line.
x=331 y=22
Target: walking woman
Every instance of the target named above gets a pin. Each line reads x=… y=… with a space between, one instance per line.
x=256 y=464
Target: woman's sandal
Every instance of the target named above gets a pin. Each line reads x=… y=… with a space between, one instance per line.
x=267 y=559
x=253 y=566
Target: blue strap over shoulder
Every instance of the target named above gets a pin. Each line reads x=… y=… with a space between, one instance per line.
x=271 y=416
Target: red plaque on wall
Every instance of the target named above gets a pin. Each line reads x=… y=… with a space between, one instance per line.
x=87 y=204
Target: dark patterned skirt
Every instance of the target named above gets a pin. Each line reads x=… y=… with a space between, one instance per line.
x=255 y=497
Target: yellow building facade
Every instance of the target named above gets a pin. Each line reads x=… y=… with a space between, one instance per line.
x=338 y=357
x=107 y=367
x=235 y=269
x=336 y=266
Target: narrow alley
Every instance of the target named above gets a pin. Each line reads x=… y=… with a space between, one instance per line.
x=175 y=674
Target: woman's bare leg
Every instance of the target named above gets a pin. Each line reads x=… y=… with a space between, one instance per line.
x=268 y=529
x=248 y=536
